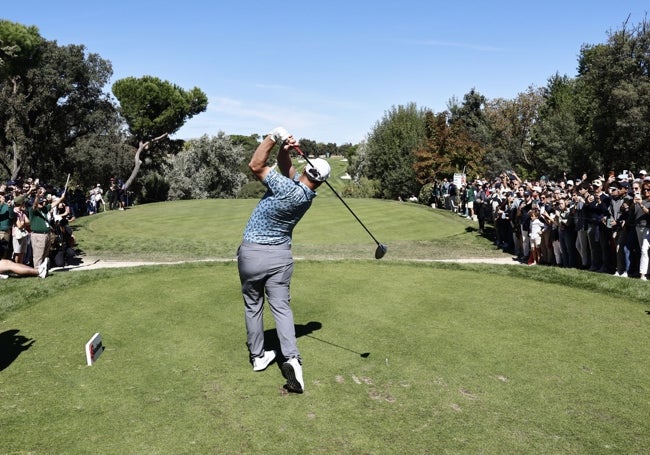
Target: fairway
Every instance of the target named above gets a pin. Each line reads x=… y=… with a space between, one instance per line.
x=400 y=355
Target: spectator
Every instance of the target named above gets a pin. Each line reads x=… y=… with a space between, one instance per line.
x=580 y=211
x=10 y=267
x=6 y=222
x=523 y=213
x=453 y=197
x=551 y=233
x=470 y=196
x=536 y=228
x=546 y=212
x=78 y=201
x=618 y=215
x=566 y=233
x=21 y=229
x=114 y=196
x=482 y=207
x=40 y=237
x=60 y=211
x=641 y=219
x=504 y=223
x=515 y=219
x=495 y=203
x=97 y=198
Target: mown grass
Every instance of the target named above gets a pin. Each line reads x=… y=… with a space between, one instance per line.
x=462 y=358
x=213 y=229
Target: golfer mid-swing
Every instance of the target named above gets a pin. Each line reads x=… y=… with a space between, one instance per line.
x=264 y=258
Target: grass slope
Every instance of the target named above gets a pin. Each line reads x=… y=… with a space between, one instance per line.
x=213 y=229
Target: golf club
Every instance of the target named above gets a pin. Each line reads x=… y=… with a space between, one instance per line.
x=364 y=355
x=381 y=248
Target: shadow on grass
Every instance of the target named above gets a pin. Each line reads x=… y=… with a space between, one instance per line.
x=11 y=345
x=272 y=341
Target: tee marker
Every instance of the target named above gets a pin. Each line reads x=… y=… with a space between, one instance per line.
x=94 y=349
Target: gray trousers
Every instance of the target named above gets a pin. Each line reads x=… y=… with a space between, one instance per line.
x=267 y=269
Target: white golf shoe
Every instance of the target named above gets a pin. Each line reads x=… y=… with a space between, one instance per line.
x=292 y=371
x=260 y=363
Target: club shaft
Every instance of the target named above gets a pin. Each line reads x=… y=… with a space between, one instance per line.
x=340 y=198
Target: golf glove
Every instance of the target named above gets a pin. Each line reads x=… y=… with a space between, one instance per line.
x=280 y=134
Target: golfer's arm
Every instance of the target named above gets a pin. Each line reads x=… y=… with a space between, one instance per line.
x=284 y=162
x=258 y=162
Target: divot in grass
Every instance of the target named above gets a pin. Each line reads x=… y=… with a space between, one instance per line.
x=468 y=394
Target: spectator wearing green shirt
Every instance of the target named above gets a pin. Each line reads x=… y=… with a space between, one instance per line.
x=40 y=225
x=6 y=221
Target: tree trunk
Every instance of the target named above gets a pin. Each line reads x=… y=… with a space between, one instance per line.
x=16 y=164
x=138 y=162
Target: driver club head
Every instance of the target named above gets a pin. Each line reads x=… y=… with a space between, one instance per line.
x=380 y=251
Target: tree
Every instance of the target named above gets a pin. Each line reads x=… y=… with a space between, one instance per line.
x=389 y=156
x=19 y=51
x=154 y=109
x=510 y=131
x=616 y=78
x=471 y=114
x=208 y=167
x=447 y=150
x=558 y=138
x=248 y=145
x=51 y=97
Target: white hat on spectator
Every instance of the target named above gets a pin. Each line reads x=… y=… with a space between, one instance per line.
x=642 y=171
x=569 y=182
x=597 y=182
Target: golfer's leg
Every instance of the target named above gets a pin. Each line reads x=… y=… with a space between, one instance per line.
x=278 y=292
x=251 y=275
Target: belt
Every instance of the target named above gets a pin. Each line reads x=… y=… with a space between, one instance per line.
x=260 y=246
x=39 y=232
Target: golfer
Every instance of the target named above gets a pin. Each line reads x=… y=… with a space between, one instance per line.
x=264 y=258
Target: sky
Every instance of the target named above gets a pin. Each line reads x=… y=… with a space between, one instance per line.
x=328 y=71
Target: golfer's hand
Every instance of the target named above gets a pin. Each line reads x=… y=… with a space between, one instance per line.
x=289 y=143
x=279 y=134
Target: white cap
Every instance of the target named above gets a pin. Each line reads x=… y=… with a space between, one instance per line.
x=642 y=171
x=318 y=170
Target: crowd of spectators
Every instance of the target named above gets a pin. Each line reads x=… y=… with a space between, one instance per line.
x=35 y=217
x=600 y=224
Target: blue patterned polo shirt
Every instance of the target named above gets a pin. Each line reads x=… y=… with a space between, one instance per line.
x=278 y=212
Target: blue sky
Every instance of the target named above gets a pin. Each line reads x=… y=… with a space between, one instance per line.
x=329 y=70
